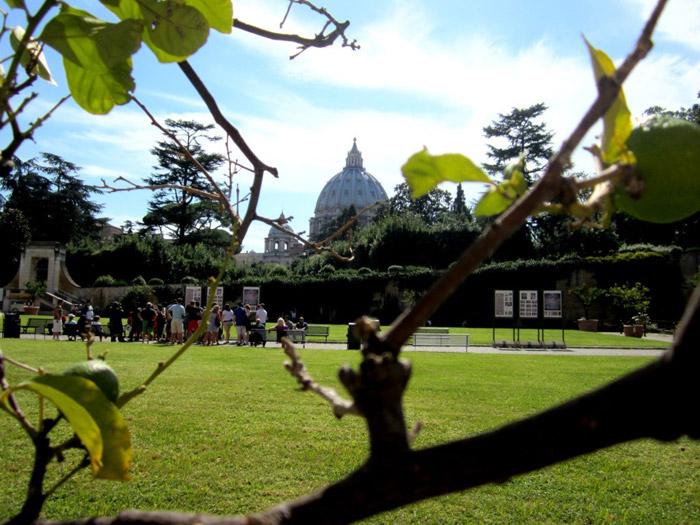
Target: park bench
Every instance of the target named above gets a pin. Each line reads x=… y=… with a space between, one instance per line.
x=432 y=330
x=37 y=325
x=318 y=331
x=461 y=340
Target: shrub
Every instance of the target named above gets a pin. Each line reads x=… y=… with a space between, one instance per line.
x=105 y=280
x=156 y=281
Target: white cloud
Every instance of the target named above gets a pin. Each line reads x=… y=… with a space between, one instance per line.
x=680 y=20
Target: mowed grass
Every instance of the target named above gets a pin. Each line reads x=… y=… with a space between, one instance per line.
x=574 y=338
x=226 y=431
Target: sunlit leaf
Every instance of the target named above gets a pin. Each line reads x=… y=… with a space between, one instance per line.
x=617 y=122
x=96 y=92
x=32 y=55
x=94 y=419
x=176 y=30
x=492 y=202
x=14 y=4
x=424 y=171
x=91 y=43
x=219 y=13
x=518 y=183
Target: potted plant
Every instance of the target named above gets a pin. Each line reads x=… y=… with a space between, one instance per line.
x=586 y=295
x=35 y=289
x=631 y=304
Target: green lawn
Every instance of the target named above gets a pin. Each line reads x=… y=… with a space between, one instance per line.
x=226 y=431
x=484 y=336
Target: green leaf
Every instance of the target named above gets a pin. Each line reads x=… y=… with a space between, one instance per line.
x=219 y=13
x=492 y=202
x=91 y=43
x=424 y=171
x=95 y=420
x=98 y=93
x=14 y=4
x=175 y=31
x=32 y=54
x=617 y=121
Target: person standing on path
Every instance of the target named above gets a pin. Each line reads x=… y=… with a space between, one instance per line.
x=261 y=313
x=239 y=315
x=176 y=312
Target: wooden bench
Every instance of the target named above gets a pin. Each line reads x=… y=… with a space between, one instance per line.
x=318 y=331
x=37 y=325
x=461 y=340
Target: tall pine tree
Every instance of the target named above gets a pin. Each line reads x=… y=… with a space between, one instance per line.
x=174 y=212
x=522 y=134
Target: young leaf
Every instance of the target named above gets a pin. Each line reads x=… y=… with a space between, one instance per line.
x=95 y=420
x=91 y=43
x=492 y=202
x=98 y=93
x=617 y=121
x=424 y=171
x=32 y=55
x=219 y=13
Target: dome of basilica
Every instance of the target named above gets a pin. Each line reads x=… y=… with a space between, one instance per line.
x=354 y=186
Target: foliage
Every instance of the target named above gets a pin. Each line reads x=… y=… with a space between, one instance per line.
x=175 y=210
x=35 y=289
x=430 y=206
x=523 y=135
x=55 y=202
x=105 y=280
x=15 y=233
x=587 y=295
x=631 y=302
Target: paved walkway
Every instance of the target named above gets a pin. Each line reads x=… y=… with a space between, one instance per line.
x=488 y=349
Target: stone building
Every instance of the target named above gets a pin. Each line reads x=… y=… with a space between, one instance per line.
x=353 y=186
x=280 y=247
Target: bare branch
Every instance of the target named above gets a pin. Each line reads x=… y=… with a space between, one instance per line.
x=320 y=40
x=298 y=370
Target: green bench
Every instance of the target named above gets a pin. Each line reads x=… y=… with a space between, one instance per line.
x=318 y=331
x=461 y=340
x=36 y=325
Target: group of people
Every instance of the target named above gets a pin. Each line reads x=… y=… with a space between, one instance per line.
x=174 y=323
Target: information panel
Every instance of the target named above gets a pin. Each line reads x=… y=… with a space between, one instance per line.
x=528 y=304
x=193 y=293
x=503 y=303
x=552 y=304
x=251 y=295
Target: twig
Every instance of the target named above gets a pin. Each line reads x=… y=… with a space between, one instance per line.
x=298 y=370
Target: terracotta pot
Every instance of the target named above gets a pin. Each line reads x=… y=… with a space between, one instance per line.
x=633 y=330
x=588 y=325
x=31 y=310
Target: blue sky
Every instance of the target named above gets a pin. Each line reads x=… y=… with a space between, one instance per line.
x=429 y=73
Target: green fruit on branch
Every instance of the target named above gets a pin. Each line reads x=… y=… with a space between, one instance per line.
x=99 y=373
x=668 y=163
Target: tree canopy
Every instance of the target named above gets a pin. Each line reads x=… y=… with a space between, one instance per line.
x=522 y=134
x=53 y=200
x=172 y=210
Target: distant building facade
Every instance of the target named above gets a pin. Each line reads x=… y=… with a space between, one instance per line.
x=354 y=186
x=280 y=247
